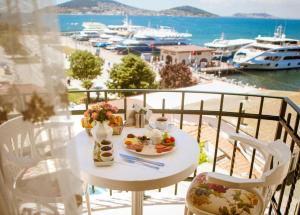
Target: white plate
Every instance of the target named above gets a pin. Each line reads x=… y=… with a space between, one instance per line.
x=149 y=150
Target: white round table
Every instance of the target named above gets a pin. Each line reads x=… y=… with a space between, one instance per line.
x=179 y=164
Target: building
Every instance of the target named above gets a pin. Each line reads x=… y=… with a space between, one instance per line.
x=187 y=54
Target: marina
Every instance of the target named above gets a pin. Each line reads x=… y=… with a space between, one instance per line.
x=140 y=36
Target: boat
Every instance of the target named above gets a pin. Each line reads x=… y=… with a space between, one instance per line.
x=269 y=53
x=126 y=29
x=225 y=49
x=90 y=30
x=148 y=39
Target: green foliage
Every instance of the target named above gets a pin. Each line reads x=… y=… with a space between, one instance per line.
x=203 y=156
x=85 y=66
x=87 y=84
x=176 y=76
x=132 y=73
x=76 y=98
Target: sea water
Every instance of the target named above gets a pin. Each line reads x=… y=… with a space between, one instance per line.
x=207 y=29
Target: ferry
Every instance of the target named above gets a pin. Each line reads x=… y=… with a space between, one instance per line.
x=225 y=49
x=269 y=53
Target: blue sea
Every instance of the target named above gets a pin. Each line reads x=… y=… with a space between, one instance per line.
x=208 y=29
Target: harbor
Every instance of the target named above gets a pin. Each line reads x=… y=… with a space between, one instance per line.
x=147 y=42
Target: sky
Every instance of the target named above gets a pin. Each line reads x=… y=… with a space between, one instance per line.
x=279 y=8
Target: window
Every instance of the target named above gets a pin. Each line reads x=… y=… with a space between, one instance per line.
x=291 y=58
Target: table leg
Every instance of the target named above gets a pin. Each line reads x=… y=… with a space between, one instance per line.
x=87 y=198
x=137 y=203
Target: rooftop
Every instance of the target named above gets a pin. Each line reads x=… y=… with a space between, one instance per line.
x=185 y=48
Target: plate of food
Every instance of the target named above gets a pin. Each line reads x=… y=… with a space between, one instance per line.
x=143 y=145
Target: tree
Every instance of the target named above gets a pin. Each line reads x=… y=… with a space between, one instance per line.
x=132 y=73
x=87 y=84
x=176 y=76
x=85 y=66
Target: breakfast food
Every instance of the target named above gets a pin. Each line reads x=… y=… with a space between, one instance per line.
x=167 y=143
x=134 y=143
x=103 y=153
x=142 y=144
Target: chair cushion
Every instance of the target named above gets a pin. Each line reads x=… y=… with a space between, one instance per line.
x=218 y=199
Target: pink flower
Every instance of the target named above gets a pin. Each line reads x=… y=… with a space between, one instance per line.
x=108 y=114
x=95 y=115
x=115 y=109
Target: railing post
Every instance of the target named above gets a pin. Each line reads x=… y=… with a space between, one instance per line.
x=125 y=108
x=295 y=177
x=105 y=96
x=292 y=149
x=282 y=113
x=163 y=107
x=87 y=100
x=218 y=132
x=281 y=116
x=256 y=135
x=200 y=121
x=144 y=99
x=182 y=109
x=235 y=142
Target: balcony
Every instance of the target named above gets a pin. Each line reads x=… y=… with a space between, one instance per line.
x=209 y=117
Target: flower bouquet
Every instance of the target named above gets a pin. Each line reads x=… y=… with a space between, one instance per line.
x=101 y=113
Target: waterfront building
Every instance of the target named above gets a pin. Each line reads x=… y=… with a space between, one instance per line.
x=189 y=54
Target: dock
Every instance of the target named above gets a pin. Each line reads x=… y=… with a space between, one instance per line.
x=224 y=69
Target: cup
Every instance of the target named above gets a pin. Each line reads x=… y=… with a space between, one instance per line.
x=161 y=123
x=106 y=143
x=106 y=149
x=106 y=156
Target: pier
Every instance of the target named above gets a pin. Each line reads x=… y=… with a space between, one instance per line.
x=223 y=69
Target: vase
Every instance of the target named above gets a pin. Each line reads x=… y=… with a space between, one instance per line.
x=102 y=131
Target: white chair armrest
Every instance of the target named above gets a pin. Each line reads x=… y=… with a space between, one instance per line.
x=253 y=142
x=233 y=182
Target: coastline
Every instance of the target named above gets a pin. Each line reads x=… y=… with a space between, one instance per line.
x=215 y=84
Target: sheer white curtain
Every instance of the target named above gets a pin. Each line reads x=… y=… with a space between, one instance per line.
x=36 y=176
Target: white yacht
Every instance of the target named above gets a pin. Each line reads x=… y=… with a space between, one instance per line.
x=225 y=49
x=269 y=53
x=147 y=39
x=126 y=29
x=90 y=30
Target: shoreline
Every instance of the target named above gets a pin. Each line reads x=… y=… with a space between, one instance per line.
x=211 y=83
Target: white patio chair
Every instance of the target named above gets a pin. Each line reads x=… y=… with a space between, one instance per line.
x=30 y=173
x=215 y=193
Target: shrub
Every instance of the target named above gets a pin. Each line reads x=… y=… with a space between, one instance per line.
x=176 y=76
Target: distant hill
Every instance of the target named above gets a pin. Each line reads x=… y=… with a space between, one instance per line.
x=110 y=7
x=255 y=15
x=186 y=11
